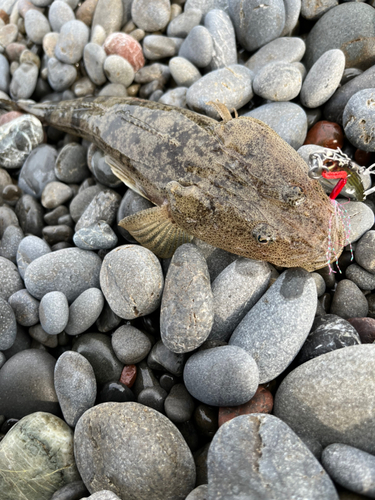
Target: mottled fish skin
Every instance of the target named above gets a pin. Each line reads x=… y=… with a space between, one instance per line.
x=236 y=185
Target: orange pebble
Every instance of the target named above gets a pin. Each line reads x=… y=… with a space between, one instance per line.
x=326 y=134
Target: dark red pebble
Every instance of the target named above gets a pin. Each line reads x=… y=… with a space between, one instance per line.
x=128 y=375
x=326 y=134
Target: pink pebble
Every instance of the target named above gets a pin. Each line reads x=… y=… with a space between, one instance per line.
x=8 y=117
x=127 y=47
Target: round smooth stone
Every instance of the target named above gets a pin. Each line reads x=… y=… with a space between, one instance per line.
x=118 y=70
x=183 y=72
x=175 y=97
x=36 y=26
x=130 y=344
x=348 y=301
x=365 y=253
x=158 y=46
x=235 y=291
x=287 y=49
x=116 y=392
x=82 y=200
x=153 y=397
x=12 y=237
x=179 y=405
x=222 y=376
x=94 y=56
x=127 y=47
x=30 y=215
x=71 y=491
x=151 y=16
x=25 y=307
x=161 y=358
x=223 y=36
x=58 y=14
x=278 y=81
x=274 y=330
x=30 y=248
x=338 y=29
x=70 y=271
x=97 y=349
x=181 y=25
x=85 y=11
x=315 y=10
x=72 y=40
x=362 y=278
x=264 y=456
x=132 y=271
x=75 y=386
x=26 y=384
x=54 y=312
x=37 y=333
x=337 y=386
x=10 y=280
x=71 y=164
x=33 y=450
x=60 y=76
x=108 y=14
x=286 y=118
x=103 y=207
x=325 y=134
x=361 y=219
x=4 y=74
x=99 y=166
x=231 y=86
x=38 y=170
x=24 y=81
x=323 y=78
x=155 y=71
x=255 y=26
x=8 y=325
x=359 y=121
x=187 y=314
x=198 y=47
x=56 y=193
x=98 y=236
x=320 y=284
x=198 y=493
x=131 y=203
x=160 y=474
x=84 y=311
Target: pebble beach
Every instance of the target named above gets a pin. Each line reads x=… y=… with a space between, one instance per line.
x=207 y=376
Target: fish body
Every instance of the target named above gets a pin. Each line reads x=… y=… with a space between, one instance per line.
x=234 y=184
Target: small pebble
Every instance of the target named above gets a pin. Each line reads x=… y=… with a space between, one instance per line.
x=358 y=120
x=108 y=14
x=161 y=358
x=55 y=194
x=362 y=278
x=183 y=72
x=103 y=207
x=365 y=328
x=287 y=49
x=84 y=311
x=85 y=11
x=58 y=14
x=179 y=405
x=325 y=134
x=118 y=70
x=364 y=253
x=8 y=34
x=98 y=236
x=175 y=97
x=60 y=75
x=25 y=307
x=24 y=81
x=130 y=344
x=10 y=281
x=94 y=56
x=49 y=43
x=71 y=165
x=54 y=312
x=12 y=237
x=82 y=200
x=198 y=47
x=151 y=16
x=36 y=26
x=115 y=391
x=72 y=40
x=315 y=10
x=220 y=27
x=71 y=491
x=108 y=320
x=38 y=170
x=158 y=46
x=278 y=81
x=30 y=215
x=153 y=397
x=181 y=25
x=348 y=301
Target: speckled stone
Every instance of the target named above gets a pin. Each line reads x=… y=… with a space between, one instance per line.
x=71 y=164
x=75 y=386
x=292 y=12
x=348 y=301
x=103 y=207
x=161 y=358
x=71 y=491
x=287 y=49
x=361 y=219
x=58 y=14
x=56 y=193
x=362 y=278
x=183 y=72
x=157 y=47
x=12 y=237
x=82 y=200
x=54 y=312
x=175 y=97
x=10 y=280
x=179 y=405
x=271 y=342
x=24 y=81
x=30 y=248
x=118 y=70
x=198 y=47
x=337 y=386
x=168 y=472
x=125 y=46
x=266 y=459
x=25 y=307
x=151 y=16
x=7 y=218
x=30 y=215
x=108 y=14
x=365 y=252
x=94 y=56
x=358 y=120
x=72 y=40
x=277 y=81
x=60 y=76
x=38 y=445
x=84 y=311
x=221 y=29
x=36 y=26
x=8 y=325
x=181 y=25
x=37 y=171
x=130 y=344
x=98 y=236
x=41 y=337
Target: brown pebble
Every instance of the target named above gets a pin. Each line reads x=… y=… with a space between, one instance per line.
x=11 y=193
x=127 y=47
x=4 y=16
x=261 y=402
x=365 y=328
x=14 y=50
x=326 y=134
x=364 y=158
x=85 y=12
x=128 y=375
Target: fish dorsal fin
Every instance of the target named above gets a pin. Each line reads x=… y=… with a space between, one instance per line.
x=153 y=229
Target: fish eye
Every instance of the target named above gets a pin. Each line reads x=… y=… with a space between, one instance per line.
x=293 y=195
x=263 y=234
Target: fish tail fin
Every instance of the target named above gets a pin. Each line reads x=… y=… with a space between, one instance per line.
x=28 y=106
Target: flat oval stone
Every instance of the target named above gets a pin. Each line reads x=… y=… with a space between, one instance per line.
x=94 y=56
x=222 y=376
x=231 y=86
x=75 y=386
x=162 y=474
x=183 y=71
x=264 y=459
x=60 y=76
x=82 y=200
x=103 y=207
x=71 y=491
x=198 y=47
x=179 y=405
x=161 y=358
x=182 y=24
x=362 y=278
x=26 y=384
x=72 y=40
x=38 y=170
x=130 y=344
x=58 y=14
x=125 y=46
x=54 y=312
x=157 y=47
x=274 y=330
x=10 y=280
x=175 y=97
x=348 y=301
x=287 y=119
x=71 y=271
x=71 y=164
x=98 y=236
x=24 y=81
x=8 y=325
x=339 y=387
x=56 y=193
x=359 y=121
x=221 y=29
x=84 y=311
x=108 y=14
x=151 y=16
x=118 y=70
x=30 y=248
x=36 y=26
x=132 y=281
x=25 y=307
x=277 y=81
x=186 y=315
x=237 y=288
x=32 y=452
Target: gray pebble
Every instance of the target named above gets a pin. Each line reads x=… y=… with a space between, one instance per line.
x=130 y=344
x=278 y=81
x=235 y=291
x=323 y=78
x=320 y=284
x=145 y=378
x=118 y=70
x=103 y=207
x=2 y=359
x=71 y=271
x=256 y=25
x=75 y=386
x=84 y=311
x=29 y=249
x=292 y=12
x=94 y=56
x=107 y=320
x=216 y=258
x=348 y=301
x=266 y=459
x=179 y=405
x=181 y=25
x=25 y=307
x=98 y=236
x=71 y=164
x=4 y=74
x=132 y=281
x=10 y=280
x=350 y=467
x=301 y=68
x=286 y=118
x=12 y=237
x=365 y=252
x=30 y=215
x=41 y=337
x=198 y=493
x=58 y=14
x=153 y=397
x=102 y=495
x=231 y=86
x=72 y=40
x=339 y=387
x=108 y=14
x=362 y=278
x=151 y=16
x=158 y=46
x=314 y=10
x=359 y=120
x=274 y=330
x=183 y=71
x=24 y=81
x=82 y=200
x=186 y=315
x=60 y=76
x=161 y=358
x=56 y=193
x=36 y=26
x=131 y=203
x=71 y=491
x=155 y=475
x=7 y=218
x=8 y=325
x=101 y=169
x=154 y=71
x=38 y=170
x=287 y=49
x=198 y=47
x=54 y=312
x=22 y=342
x=221 y=30
x=361 y=219
x=175 y=97
x=222 y=376
x=204 y=5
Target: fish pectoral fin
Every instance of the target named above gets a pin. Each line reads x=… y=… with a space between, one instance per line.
x=120 y=171
x=222 y=110
x=154 y=229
